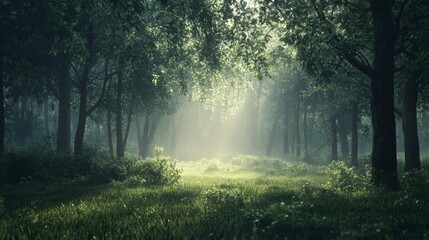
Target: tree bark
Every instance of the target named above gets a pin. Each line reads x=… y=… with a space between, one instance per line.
x=173 y=136
x=119 y=88
x=354 y=156
x=144 y=147
x=334 y=138
x=2 y=111
x=83 y=90
x=109 y=132
x=127 y=129
x=64 y=122
x=384 y=161
x=409 y=121
x=344 y=142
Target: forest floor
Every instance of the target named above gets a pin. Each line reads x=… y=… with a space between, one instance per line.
x=212 y=202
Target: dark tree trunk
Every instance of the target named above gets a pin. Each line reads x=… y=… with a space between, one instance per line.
x=127 y=129
x=355 y=134
x=144 y=147
x=272 y=138
x=119 y=88
x=109 y=132
x=46 y=115
x=305 y=132
x=2 y=111
x=409 y=121
x=297 y=130
x=286 y=132
x=83 y=91
x=64 y=122
x=334 y=138
x=138 y=132
x=383 y=158
x=344 y=142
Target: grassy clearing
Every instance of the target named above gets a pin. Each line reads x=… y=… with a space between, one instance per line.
x=228 y=202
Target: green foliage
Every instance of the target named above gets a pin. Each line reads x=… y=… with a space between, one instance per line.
x=344 y=179
x=212 y=166
x=258 y=162
x=297 y=168
x=159 y=170
x=223 y=199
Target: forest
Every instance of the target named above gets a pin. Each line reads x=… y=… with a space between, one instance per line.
x=214 y=119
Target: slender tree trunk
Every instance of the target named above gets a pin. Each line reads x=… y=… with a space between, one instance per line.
x=272 y=138
x=144 y=147
x=384 y=160
x=305 y=133
x=109 y=132
x=83 y=90
x=127 y=129
x=355 y=134
x=334 y=138
x=81 y=123
x=119 y=139
x=46 y=115
x=64 y=121
x=409 y=121
x=138 y=132
x=344 y=142
x=286 y=132
x=2 y=111
x=297 y=130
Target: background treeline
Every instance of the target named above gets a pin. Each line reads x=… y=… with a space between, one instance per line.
x=316 y=80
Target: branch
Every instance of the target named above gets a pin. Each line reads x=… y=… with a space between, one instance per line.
x=398 y=19
x=103 y=89
x=347 y=54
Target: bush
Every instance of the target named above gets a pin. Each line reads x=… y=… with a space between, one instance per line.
x=296 y=168
x=212 y=166
x=344 y=178
x=258 y=162
x=158 y=170
x=223 y=199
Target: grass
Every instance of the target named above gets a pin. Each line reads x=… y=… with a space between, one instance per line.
x=228 y=202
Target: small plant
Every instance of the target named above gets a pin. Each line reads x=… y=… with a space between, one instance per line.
x=159 y=170
x=344 y=178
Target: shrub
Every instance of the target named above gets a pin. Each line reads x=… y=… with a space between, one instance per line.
x=344 y=178
x=223 y=199
x=212 y=166
x=158 y=170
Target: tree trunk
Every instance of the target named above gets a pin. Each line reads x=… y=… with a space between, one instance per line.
x=305 y=133
x=83 y=91
x=297 y=130
x=46 y=115
x=272 y=138
x=286 y=132
x=127 y=129
x=383 y=158
x=2 y=111
x=254 y=135
x=355 y=134
x=144 y=147
x=344 y=142
x=64 y=122
x=109 y=132
x=409 y=121
x=138 y=132
x=119 y=88
x=334 y=139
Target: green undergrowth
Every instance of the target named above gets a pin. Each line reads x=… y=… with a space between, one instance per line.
x=224 y=203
